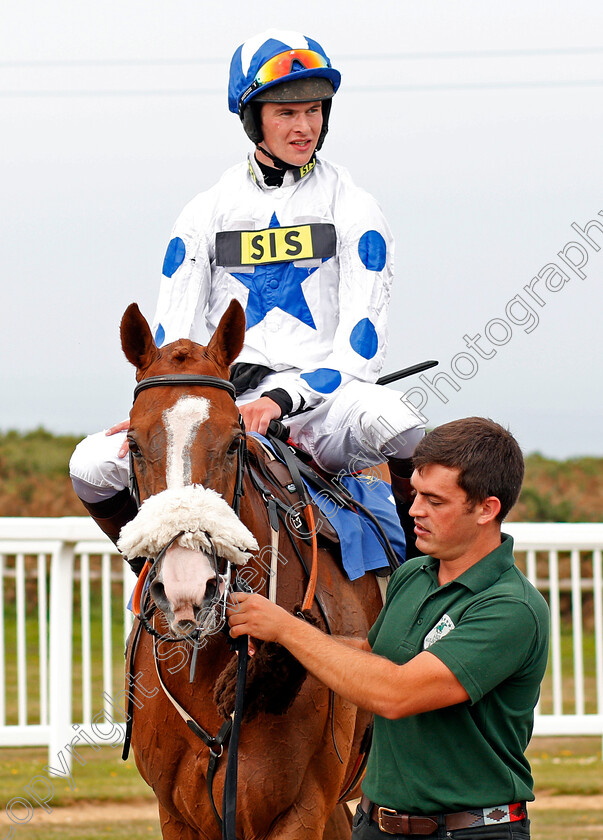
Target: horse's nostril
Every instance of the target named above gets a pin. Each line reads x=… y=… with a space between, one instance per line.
x=158 y=595
x=211 y=589
x=183 y=625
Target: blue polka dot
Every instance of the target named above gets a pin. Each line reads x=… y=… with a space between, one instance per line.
x=372 y=250
x=363 y=339
x=324 y=380
x=159 y=335
x=174 y=256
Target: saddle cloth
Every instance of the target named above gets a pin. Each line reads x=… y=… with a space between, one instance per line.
x=361 y=548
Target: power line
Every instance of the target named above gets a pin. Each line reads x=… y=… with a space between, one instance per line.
x=422 y=88
x=452 y=54
x=544 y=83
x=111 y=62
x=400 y=56
x=42 y=94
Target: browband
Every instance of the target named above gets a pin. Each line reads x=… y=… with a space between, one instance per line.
x=185 y=379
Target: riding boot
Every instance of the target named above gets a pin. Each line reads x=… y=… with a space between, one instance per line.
x=111 y=515
x=400 y=470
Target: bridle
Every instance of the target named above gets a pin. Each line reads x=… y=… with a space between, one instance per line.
x=185 y=379
x=226 y=577
x=231 y=728
x=194 y=380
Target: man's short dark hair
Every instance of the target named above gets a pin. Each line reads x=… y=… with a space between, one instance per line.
x=487 y=455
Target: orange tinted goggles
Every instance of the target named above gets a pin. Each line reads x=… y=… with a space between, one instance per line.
x=288 y=62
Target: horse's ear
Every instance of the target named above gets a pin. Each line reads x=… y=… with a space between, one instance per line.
x=227 y=341
x=137 y=339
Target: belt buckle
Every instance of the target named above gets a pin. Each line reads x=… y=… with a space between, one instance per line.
x=389 y=812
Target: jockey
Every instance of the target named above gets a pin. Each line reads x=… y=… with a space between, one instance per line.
x=309 y=256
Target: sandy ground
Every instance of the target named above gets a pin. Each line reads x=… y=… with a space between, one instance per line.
x=131 y=811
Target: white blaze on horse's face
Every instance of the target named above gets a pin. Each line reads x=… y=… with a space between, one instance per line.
x=185 y=574
x=181 y=423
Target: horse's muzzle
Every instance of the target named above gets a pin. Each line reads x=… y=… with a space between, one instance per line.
x=186 y=590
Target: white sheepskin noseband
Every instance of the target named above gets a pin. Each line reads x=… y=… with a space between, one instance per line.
x=199 y=512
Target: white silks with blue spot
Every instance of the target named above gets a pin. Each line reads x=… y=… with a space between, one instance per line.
x=318 y=321
x=311 y=263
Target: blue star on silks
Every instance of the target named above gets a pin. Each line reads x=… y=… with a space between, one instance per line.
x=276 y=286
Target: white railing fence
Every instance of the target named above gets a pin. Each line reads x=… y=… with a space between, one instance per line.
x=64 y=621
x=64 y=591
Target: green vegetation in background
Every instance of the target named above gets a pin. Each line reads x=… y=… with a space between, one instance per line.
x=34 y=474
x=34 y=481
x=561 y=491
x=35 y=453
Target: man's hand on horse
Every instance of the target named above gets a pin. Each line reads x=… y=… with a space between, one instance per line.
x=258 y=414
x=253 y=615
x=120 y=427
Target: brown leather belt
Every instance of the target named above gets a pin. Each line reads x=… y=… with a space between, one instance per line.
x=394 y=822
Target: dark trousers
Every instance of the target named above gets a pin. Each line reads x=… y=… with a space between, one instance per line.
x=366 y=829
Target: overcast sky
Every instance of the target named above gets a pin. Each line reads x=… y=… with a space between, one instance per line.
x=477 y=125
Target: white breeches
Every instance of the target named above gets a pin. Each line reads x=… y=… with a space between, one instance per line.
x=358 y=427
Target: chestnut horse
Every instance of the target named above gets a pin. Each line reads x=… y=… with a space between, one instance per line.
x=186 y=442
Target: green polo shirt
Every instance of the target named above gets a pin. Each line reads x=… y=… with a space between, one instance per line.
x=490 y=626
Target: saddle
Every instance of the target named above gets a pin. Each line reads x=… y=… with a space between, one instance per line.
x=292 y=471
x=283 y=478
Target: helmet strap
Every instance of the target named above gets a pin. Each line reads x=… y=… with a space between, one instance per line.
x=279 y=164
x=274 y=177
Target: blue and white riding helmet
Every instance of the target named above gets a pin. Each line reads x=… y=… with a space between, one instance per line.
x=280 y=66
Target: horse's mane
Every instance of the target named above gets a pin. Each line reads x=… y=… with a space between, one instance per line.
x=274 y=679
x=180 y=353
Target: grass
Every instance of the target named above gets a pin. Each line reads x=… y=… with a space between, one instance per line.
x=560 y=491
x=34 y=476
x=103 y=778
x=567 y=766
x=37 y=452
x=561 y=767
x=108 y=830
x=564 y=825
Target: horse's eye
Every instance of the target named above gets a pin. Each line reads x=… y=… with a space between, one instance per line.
x=134 y=448
x=235 y=445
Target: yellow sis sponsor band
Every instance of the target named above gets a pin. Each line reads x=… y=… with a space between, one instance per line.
x=275 y=244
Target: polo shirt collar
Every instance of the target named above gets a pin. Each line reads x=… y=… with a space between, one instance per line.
x=486 y=571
